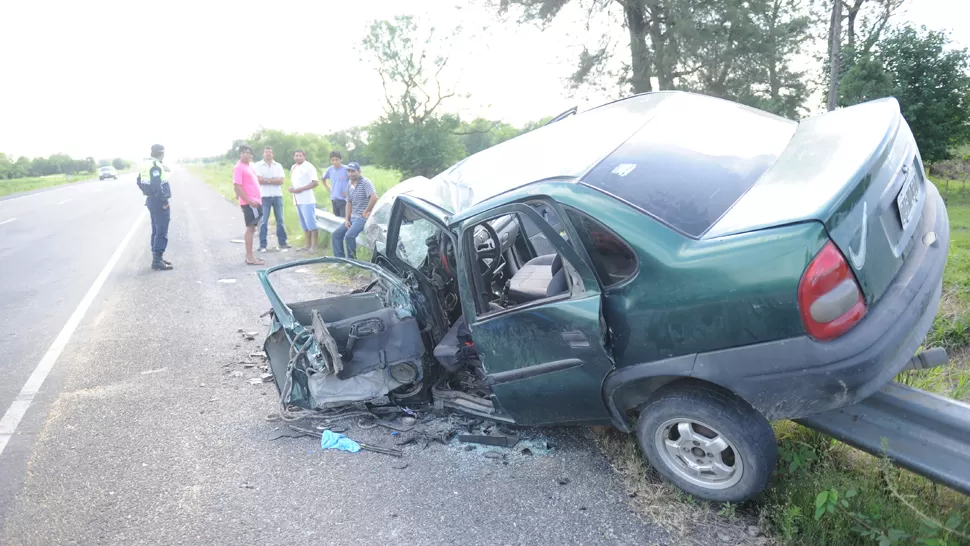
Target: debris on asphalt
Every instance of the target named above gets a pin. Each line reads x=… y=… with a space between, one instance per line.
x=266 y=377
x=494 y=455
x=333 y=440
x=501 y=441
x=249 y=336
x=255 y=381
x=563 y=481
x=240 y=241
x=247 y=486
x=227 y=281
x=399 y=465
x=158 y=370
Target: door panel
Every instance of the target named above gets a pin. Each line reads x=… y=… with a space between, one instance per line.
x=554 y=357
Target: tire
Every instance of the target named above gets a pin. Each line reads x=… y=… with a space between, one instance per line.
x=683 y=424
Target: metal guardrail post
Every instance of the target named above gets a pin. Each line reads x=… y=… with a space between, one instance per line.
x=923 y=432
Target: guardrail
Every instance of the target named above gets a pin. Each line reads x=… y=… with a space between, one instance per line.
x=920 y=431
x=328 y=221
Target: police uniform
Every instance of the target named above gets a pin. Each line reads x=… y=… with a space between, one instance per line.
x=153 y=182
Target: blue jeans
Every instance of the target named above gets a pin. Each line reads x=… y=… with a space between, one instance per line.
x=343 y=234
x=274 y=204
x=160 y=220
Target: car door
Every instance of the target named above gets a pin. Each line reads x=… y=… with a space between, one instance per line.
x=545 y=360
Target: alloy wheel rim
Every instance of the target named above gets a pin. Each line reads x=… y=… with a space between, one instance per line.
x=699 y=453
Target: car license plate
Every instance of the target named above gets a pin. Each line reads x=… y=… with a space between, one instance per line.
x=908 y=195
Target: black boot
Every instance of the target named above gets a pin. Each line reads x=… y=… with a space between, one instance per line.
x=158 y=264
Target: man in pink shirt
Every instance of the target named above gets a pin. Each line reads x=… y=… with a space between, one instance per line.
x=246 y=183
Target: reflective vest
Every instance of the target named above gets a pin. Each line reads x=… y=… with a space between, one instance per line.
x=153 y=180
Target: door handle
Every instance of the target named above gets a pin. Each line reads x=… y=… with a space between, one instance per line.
x=576 y=339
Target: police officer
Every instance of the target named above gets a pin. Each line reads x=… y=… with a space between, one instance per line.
x=153 y=182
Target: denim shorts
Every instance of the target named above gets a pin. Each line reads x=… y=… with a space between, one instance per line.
x=308 y=216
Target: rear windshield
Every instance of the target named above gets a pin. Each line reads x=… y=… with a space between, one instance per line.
x=693 y=160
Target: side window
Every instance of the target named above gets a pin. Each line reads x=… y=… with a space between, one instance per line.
x=613 y=259
x=507 y=278
x=412 y=240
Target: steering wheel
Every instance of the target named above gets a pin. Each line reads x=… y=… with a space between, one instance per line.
x=492 y=252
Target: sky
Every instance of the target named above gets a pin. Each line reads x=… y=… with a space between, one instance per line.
x=108 y=78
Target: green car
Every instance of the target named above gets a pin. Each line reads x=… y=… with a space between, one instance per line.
x=672 y=264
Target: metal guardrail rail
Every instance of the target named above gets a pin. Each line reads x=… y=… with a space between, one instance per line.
x=919 y=431
x=330 y=222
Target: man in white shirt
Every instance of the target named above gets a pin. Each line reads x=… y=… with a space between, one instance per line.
x=303 y=178
x=270 y=174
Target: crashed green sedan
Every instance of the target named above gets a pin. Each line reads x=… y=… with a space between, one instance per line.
x=678 y=265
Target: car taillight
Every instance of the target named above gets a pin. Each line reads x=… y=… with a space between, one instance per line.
x=829 y=298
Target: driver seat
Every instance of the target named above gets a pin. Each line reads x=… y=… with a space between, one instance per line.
x=540 y=277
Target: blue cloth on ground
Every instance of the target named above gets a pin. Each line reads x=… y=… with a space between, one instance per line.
x=333 y=440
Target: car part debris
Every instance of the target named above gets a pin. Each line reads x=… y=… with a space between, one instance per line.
x=254 y=381
x=266 y=377
x=394 y=452
x=494 y=455
x=500 y=441
x=399 y=465
x=366 y=447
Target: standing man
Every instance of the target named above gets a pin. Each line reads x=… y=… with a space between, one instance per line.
x=270 y=175
x=303 y=178
x=246 y=184
x=153 y=182
x=361 y=198
x=337 y=175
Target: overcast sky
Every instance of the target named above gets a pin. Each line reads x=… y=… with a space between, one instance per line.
x=91 y=78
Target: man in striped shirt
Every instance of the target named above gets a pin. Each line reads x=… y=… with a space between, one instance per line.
x=361 y=198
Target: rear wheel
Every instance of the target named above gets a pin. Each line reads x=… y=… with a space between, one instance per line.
x=707 y=441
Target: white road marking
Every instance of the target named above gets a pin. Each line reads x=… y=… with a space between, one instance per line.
x=7 y=221
x=64 y=201
x=17 y=410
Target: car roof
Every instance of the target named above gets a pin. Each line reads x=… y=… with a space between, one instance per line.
x=682 y=158
x=565 y=149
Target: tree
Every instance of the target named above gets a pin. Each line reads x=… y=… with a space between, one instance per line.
x=930 y=79
x=411 y=137
x=119 y=163
x=416 y=149
x=865 y=22
x=734 y=49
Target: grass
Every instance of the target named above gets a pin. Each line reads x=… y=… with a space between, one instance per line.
x=18 y=185
x=877 y=503
x=219 y=176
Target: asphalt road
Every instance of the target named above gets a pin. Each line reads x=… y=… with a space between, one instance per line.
x=143 y=434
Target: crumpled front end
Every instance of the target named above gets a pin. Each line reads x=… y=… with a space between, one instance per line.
x=351 y=348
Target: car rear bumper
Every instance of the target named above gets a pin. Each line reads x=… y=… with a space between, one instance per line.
x=797 y=377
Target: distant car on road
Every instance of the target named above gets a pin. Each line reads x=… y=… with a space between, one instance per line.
x=108 y=172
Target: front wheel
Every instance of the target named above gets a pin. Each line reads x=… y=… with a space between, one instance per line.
x=707 y=441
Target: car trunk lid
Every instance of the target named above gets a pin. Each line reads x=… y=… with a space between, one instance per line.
x=858 y=171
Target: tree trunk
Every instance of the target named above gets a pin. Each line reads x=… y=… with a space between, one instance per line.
x=774 y=85
x=654 y=19
x=853 y=14
x=640 y=54
x=835 y=54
